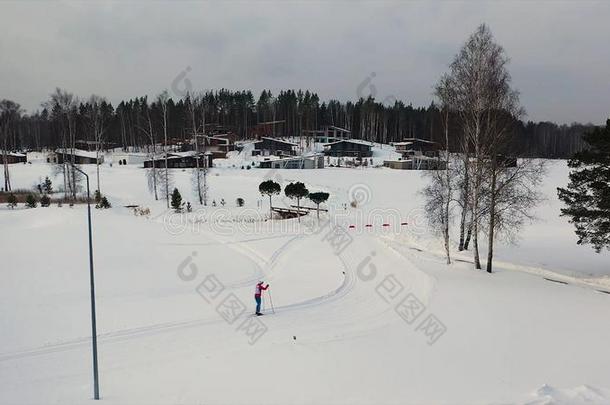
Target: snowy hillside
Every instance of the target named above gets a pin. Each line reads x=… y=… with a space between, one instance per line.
x=363 y=314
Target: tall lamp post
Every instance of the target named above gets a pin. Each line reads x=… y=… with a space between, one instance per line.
x=96 y=389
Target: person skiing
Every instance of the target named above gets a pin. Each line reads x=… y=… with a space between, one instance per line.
x=258 y=291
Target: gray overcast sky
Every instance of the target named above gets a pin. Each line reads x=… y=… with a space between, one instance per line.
x=560 y=51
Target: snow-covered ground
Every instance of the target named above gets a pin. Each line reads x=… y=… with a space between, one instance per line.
x=362 y=314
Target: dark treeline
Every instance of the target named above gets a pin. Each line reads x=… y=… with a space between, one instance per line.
x=128 y=124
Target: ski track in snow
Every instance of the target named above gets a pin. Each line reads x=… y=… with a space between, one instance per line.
x=259 y=262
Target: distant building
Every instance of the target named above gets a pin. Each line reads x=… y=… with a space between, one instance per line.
x=217 y=145
x=180 y=160
x=416 y=162
x=81 y=157
x=296 y=162
x=271 y=146
x=267 y=129
x=329 y=133
x=351 y=148
x=417 y=147
x=91 y=146
x=13 y=157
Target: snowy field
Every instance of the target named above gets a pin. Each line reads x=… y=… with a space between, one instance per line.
x=363 y=314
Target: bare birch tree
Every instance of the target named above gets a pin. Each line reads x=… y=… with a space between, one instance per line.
x=147 y=129
x=478 y=88
x=439 y=192
x=193 y=103
x=163 y=99
x=63 y=107
x=10 y=114
x=96 y=117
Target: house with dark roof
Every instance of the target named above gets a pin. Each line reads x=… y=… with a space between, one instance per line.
x=349 y=147
x=273 y=146
x=295 y=162
x=13 y=157
x=180 y=160
x=417 y=147
x=78 y=156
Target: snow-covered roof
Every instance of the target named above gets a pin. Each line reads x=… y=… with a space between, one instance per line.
x=402 y=143
x=356 y=141
x=411 y=140
x=183 y=154
x=339 y=128
x=312 y=154
x=289 y=158
x=77 y=152
x=15 y=154
x=278 y=140
x=177 y=155
x=133 y=154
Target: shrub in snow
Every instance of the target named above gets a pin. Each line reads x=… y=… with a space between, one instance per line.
x=47 y=185
x=30 y=201
x=240 y=202
x=176 y=200
x=11 y=200
x=143 y=212
x=222 y=202
x=103 y=203
x=189 y=207
x=45 y=201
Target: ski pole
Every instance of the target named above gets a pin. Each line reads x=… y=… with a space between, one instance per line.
x=271 y=302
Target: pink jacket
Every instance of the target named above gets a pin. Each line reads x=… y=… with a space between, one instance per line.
x=258 y=290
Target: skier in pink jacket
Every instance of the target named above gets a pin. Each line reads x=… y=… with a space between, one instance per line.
x=258 y=291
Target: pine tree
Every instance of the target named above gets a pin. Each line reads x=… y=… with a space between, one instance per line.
x=176 y=200
x=45 y=201
x=12 y=201
x=30 y=201
x=588 y=194
x=103 y=203
x=270 y=188
x=296 y=191
x=47 y=185
x=318 y=198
